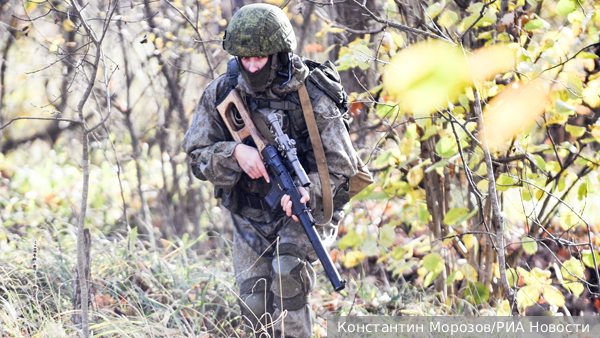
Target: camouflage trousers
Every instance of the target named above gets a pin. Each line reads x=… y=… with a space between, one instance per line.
x=275 y=285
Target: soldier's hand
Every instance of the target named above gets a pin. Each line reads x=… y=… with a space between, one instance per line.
x=249 y=160
x=286 y=202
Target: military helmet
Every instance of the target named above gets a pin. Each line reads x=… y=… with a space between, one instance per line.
x=259 y=30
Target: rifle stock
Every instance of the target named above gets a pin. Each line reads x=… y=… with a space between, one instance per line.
x=281 y=181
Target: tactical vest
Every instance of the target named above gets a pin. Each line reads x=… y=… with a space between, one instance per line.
x=323 y=79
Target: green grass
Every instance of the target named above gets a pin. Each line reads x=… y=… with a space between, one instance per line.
x=136 y=291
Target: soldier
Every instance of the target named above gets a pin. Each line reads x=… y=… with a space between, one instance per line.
x=272 y=256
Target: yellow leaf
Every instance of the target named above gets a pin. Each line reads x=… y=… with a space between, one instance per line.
x=336 y=30
x=398 y=39
x=469 y=241
x=353 y=258
x=504 y=309
x=425 y=76
x=415 y=176
x=591 y=94
x=515 y=108
x=574 y=267
x=486 y=62
x=539 y=277
x=67 y=25
x=321 y=32
x=553 y=296
x=469 y=272
x=575 y=287
x=527 y=296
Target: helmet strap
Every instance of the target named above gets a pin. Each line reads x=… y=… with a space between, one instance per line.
x=286 y=61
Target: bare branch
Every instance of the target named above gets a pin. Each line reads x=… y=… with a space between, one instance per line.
x=481 y=14
x=38 y=118
x=496 y=211
x=400 y=26
x=571 y=58
x=195 y=27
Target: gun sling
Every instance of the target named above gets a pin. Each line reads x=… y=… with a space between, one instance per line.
x=319 y=152
x=315 y=139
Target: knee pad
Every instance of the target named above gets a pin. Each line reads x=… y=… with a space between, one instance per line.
x=294 y=278
x=256 y=303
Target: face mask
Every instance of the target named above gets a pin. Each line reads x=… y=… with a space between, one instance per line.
x=259 y=80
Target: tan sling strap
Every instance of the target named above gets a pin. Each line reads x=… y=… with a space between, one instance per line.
x=315 y=139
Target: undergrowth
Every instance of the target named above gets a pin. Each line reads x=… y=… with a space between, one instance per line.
x=140 y=291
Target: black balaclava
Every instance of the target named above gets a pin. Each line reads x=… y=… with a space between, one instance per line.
x=259 y=81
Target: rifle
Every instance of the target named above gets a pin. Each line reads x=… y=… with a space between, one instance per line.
x=281 y=180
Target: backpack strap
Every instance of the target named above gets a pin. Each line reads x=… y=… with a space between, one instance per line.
x=232 y=76
x=315 y=139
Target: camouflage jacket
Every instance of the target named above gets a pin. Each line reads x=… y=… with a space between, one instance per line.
x=210 y=146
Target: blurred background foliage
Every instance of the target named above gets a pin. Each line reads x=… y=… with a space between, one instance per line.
x=436 y=89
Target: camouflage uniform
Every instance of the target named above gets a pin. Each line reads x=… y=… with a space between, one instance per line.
x=272 y=256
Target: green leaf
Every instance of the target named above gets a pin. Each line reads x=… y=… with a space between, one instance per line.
x=351 y=239
x=553 y=166
x=367 y=193
x=540 y=162
x=534 y=24
x=369 y=246
x=575 y=267
x=429 y=278
x=574 y=86
x=439 y=164
x=387 y=235
x=383 y=158
x=423 y=213
x=512 y=277
x=454 y=214
x=132 y=237
x=504 y=182
x=530 y=246
x=562 y=107
x=411 y=131
x=565 y=7
x=346 y=61
x=451 y=278
x=383 y=110
x=484 y=35
x=588 y=259
x=399 y=270
x=363 y=56
x=575 y=130
x=477 y=293
x=434 y=9
x=433 y=262
x=562 y=182
x=586 y=55
x=448 y=18
x=446 y=147
x=582 y=191
x=431 y=130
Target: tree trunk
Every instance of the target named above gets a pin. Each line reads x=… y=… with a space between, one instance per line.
x=77 y=290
